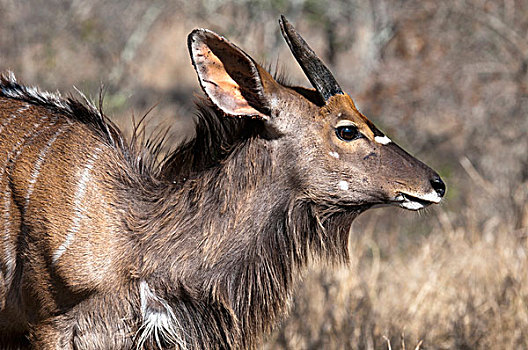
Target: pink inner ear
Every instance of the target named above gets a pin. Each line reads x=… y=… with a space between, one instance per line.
x=218 y=85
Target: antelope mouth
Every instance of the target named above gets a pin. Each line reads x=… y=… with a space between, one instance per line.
x=410 y=202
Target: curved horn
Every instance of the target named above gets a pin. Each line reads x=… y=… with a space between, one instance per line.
x=318 y=74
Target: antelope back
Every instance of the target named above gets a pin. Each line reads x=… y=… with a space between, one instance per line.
x=55 y=174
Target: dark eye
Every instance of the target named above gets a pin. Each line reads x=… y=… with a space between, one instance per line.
x=347 y=133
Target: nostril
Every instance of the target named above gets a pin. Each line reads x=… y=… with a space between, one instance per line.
x=438 y=185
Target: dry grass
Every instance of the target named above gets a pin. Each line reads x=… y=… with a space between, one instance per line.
x=447 y=80
x=452 y=290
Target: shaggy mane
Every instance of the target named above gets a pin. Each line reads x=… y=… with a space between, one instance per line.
x=216 y=136
x=82 y=111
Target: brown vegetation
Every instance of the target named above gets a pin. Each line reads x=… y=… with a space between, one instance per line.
x=445 y=79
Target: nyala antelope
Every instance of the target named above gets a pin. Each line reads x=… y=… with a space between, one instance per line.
x=103 y=247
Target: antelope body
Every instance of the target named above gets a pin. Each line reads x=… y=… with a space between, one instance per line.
x=102 y=248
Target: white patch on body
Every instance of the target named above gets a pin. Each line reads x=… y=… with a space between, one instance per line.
x=159 y=322
x=78 y=208
x=343 y=185
x=384 y=140
x=334 y=154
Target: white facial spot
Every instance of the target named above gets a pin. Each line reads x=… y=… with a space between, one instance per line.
x=384 y=140
x=343 y=185
x=334 y=154
x=274 y=102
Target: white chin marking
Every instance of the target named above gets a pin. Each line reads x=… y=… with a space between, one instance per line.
x=334 y=154
x=384 y=140
x=411 y=205
x=343 y=185
x=432 y=197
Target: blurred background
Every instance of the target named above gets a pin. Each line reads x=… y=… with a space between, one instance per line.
x=447 y=80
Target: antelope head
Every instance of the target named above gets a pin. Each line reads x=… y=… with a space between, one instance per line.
x=331 y=152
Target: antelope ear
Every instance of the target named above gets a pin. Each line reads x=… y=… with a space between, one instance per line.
x=228 y=76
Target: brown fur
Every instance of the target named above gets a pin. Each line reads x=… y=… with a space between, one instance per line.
x=102 y=248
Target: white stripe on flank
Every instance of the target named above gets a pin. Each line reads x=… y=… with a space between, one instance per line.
x=2 y=126
x=78 y=208
x=13 y=116
x=384 y=140
x=7 y=121
x=38 y=164
x=19 y=146
x=8 y=248
x=23 y=109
